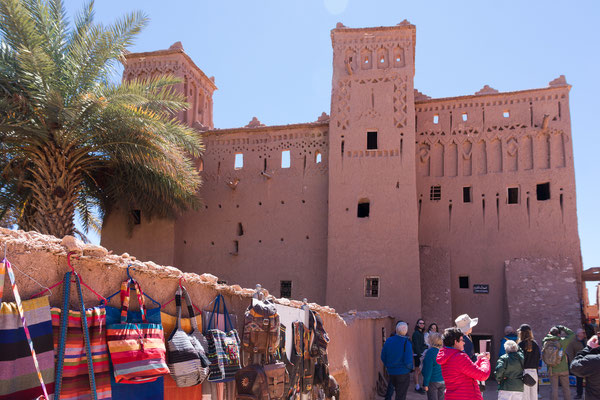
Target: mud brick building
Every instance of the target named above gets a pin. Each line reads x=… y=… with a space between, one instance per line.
x=395 y=201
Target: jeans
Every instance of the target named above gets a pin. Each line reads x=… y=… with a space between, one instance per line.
x=390 y=390
x=436 y=390
x=401 y=383
x=531 y=392
x=564 y=382
x=579 y=386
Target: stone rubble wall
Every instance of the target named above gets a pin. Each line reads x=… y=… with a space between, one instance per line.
x=356 y=339
x=542 y=293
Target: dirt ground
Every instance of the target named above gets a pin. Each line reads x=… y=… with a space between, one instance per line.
x=491 y=392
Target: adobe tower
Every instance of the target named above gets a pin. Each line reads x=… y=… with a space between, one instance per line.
x=373 y=243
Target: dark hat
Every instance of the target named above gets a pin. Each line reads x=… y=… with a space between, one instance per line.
x=524 y=327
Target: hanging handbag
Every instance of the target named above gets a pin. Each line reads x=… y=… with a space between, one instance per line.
x=188 y=363
x=527 y=379
x=74 y=338
x=223 y=346
x=137 y=350
x=27 y=356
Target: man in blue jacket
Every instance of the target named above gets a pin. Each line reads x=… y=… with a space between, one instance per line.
x=397 y=356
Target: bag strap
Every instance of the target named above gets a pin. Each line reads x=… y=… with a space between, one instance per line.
x=125 y=294
x=226 y=313
x=4 y=268
x=217 y=300
x=62 y=341
x=178 y=307
x=190 y=306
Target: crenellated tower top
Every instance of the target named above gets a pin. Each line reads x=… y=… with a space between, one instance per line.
x=198 y=88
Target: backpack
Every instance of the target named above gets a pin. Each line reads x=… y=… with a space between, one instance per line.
x=552 y=352
x=261 y=328
x=251 y=383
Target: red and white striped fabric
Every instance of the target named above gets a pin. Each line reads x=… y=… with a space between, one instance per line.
x=137 y=351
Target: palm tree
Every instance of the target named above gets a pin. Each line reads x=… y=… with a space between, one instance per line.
x=72 y=141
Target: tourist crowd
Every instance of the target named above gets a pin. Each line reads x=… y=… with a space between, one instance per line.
x=445 y=365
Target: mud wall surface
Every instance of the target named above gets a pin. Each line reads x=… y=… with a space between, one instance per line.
x=542 y=293
x=355 y=344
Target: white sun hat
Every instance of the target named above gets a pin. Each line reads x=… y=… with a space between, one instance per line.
x=464 y=322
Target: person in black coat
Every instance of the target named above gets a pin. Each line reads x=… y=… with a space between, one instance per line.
x=586 y=364
x=532 y=354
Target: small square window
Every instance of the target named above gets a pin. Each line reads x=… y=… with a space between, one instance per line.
x=435 y=193
x=436 y=119
x=513 y=195
x=372 y=286
x=467 y=194
x=465 y=116
x=543 y=191
x=285 y=289
x=285 y=159
x=506 y=114
x=371 y=140
x=136 y=216
x=239 y=161
x=363 y=209
x=463 y=282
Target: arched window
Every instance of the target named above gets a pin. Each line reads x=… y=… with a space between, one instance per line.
x=318 y=157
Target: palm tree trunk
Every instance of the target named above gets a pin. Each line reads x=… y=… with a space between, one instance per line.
x=55 y=185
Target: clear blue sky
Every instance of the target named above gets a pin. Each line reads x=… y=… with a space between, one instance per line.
x=272 y=59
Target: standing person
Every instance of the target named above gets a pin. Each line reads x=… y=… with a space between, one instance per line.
x=586 y=364
x=509 y=334
x=509 y=372
x=397 y=358
x=459 y=372
x=418 y=342
x=431 y=328
x=433 y=381
x=559 y=371
x=575 y=347
x=532 y=354
x=466 y=324
x=390 y=388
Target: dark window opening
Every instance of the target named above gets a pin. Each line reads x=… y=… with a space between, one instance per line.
x=467 y=194
x=463 y=282
x=363 y=209
x=513 y=195
x=221 y=282
x=372 y=287
x=371 y=140
x=240 y=230
x=543 y=191
x=236 y=247
x=435 y=193
x=286 y=289
x=136 y=216
x=265 y=165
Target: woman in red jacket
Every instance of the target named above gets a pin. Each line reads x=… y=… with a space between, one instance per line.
x=460 y=374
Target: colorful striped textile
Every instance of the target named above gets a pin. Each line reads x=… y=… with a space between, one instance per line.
x=186 y=353
x=137 y=350
x=172 y=391
x=141 y=391
x=27 y=356
x=75 y=376
x=223 y=347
